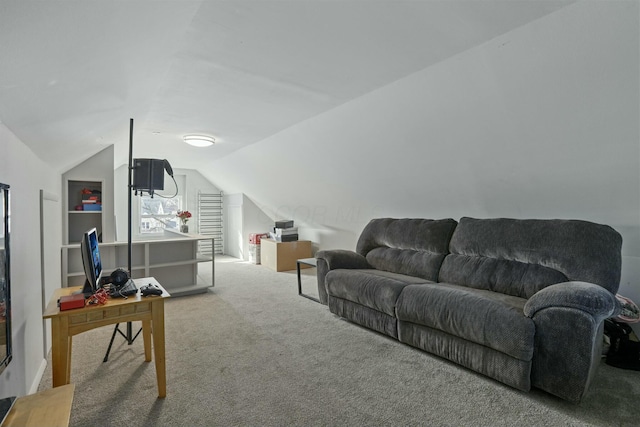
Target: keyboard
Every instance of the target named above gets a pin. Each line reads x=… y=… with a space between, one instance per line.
x=127 y=289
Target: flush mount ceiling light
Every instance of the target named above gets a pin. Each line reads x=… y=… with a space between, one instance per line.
x=199 y=140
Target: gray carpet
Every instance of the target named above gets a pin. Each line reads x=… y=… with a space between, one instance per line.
x=253 y=353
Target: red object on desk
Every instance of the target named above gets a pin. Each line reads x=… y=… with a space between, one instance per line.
x=67 y=302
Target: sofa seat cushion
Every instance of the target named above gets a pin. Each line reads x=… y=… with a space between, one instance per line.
x=484 y=317
x=375 y=289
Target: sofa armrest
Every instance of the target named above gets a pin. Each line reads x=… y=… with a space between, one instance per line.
x=339 y=258
x=332 y=260
x=569 y=319
x=592 y=299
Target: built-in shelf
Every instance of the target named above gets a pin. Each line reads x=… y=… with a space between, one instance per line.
x=78 y=220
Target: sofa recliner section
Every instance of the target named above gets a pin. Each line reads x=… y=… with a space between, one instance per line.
x=363 y=286
x=521 y=301
x=370 y=299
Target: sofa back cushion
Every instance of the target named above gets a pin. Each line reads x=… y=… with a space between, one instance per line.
x=520 y=257
x=415 y=247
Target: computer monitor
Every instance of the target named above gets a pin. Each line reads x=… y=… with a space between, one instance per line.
x=91 y=262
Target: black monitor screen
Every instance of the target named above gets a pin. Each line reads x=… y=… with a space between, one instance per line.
x=91 y=261
x=95 y=256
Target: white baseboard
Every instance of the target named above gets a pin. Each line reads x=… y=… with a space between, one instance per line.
x=38 y=378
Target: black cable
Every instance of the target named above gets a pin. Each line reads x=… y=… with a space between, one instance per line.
x=171 y=197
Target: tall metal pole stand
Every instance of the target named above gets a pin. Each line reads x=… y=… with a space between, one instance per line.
x=129 y=336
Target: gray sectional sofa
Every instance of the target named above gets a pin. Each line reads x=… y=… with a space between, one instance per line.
x=521 y=301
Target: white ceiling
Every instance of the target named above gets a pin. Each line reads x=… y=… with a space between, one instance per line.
x=72 y=72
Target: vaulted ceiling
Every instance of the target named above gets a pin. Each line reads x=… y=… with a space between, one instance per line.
x=73 y=72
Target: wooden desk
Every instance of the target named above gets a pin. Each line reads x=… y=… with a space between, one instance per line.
x=47 y=408
x=66 y=324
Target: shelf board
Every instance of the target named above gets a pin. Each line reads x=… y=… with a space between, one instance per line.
x=84 y=212
x=74 y=274
x=105 y=271
x=133 y=267
x=187 y=290
x=174 y=263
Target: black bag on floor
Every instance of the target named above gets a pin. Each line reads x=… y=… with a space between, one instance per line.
x=624 y=349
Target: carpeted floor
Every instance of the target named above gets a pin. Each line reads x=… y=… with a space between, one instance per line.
x=251 y=352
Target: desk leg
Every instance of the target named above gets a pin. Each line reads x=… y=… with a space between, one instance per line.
x=60 y=351
x=69 y=347
x=157 y=328
x=146 y=336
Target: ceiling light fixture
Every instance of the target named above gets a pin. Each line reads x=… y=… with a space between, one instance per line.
x=199 y=140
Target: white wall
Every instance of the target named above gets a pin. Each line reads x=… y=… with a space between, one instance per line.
x=233 y=225
x=242 y=217
x=541 y=122
x=27 y=175
x=189 y=183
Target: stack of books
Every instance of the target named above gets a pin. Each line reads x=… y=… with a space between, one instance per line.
x=284 y=231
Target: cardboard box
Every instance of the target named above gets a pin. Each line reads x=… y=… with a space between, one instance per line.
x=282 y=256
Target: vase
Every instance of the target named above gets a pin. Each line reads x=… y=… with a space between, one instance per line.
x=184 y=228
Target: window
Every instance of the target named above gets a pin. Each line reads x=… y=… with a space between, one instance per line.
x=158 y=213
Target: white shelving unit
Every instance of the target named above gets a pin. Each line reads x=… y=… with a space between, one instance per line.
x=173 y=261
x=79 y=221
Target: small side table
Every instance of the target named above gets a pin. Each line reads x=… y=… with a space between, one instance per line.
x=310 y=262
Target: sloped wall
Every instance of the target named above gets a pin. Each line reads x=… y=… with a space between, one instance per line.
x=539 y=123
